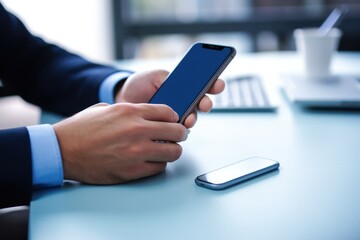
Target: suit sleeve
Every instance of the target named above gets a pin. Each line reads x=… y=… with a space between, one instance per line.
x=45 y=74
x=48 y=76
x=15 y=167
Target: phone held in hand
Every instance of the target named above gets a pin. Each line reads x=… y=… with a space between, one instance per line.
x=236 y=173
x=193 y=77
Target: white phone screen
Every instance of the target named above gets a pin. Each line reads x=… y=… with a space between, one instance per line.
x=237 y=172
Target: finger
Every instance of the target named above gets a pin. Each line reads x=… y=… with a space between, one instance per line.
x=190 y=120
x=145 y=169
x=218 y=87
x=158 y=112
x=159 y=77
x=171 y=132
x=205 y=104
x=163 y=152
x=153 y=168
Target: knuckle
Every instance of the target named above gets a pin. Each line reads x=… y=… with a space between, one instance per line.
x=118 y=107
x=101 y=104
x=134 y=151
x=125 y=108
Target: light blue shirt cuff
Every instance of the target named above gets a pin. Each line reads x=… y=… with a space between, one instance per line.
x=106 y=92
x=47 y=170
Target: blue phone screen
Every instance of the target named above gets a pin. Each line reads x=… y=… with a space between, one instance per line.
x=191 y=75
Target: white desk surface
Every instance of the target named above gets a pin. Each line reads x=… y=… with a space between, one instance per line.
x=314 y=195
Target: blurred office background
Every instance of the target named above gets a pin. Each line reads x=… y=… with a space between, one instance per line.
x=104 y=30
x=82 y=26
x=162 y=28
x=107 y=30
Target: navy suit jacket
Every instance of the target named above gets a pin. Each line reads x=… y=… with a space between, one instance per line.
x=45 y=75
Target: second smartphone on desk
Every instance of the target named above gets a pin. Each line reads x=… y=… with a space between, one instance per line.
x=236 y=173
x=193 y=77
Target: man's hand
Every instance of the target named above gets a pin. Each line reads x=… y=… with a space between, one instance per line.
x=108 y=144
x=140 y=87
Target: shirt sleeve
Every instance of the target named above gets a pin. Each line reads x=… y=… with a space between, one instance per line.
x=107 y=87
x=47 y=167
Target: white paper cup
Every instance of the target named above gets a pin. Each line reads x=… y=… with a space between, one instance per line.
x=316 y=50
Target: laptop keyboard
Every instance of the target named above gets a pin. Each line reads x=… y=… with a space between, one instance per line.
x=243 y=93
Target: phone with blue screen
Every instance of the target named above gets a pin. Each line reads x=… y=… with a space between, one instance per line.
x=192 y=77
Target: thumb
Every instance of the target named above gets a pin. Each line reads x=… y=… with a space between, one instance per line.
x=159 y=77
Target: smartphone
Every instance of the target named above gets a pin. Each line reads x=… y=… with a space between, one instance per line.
x=236 y=173
x=192 y=77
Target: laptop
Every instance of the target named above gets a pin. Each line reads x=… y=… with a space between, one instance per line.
x=329 y=92
x=244 y=93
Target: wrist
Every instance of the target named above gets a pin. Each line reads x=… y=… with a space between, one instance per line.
x=65 y=146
